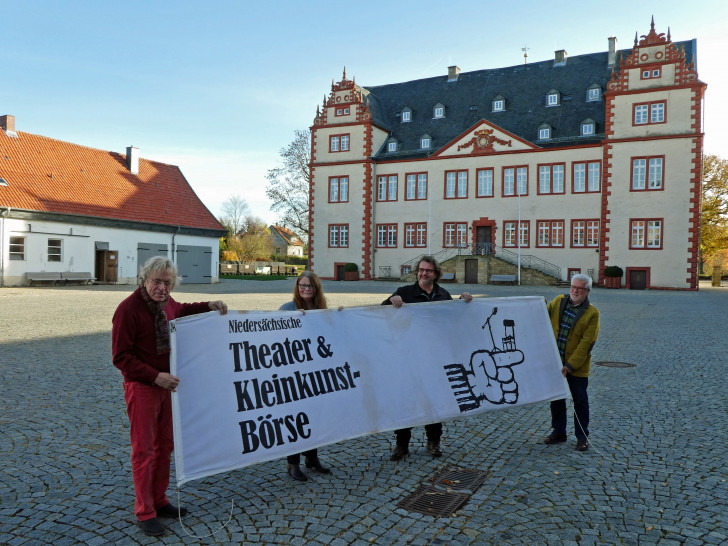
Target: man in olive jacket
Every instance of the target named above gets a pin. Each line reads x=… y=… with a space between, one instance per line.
x=576 y=327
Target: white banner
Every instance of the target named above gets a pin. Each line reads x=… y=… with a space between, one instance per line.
x=259 y=386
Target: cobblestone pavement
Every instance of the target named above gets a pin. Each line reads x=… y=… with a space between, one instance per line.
x=656 y=472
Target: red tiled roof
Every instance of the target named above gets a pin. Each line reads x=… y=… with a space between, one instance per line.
x=50 y=175
x=287 y=235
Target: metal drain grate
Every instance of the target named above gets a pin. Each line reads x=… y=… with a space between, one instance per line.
x=616 y=364
x=458 y=478
x=434 y=502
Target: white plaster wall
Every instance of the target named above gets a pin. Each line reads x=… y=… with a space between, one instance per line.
x=79 y=248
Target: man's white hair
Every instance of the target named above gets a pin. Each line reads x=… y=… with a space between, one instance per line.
x=581 y=277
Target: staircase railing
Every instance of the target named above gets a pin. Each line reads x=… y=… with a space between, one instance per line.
x=486 y=249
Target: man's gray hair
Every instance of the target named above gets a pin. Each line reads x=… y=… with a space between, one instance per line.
x=581 y=277
x=157 y=264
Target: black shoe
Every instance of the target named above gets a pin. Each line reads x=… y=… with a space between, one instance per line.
x=399 y=452
x=434 y=448
x=313 y=462
x=294 y=471
x=171 y=511
x=151 y=527
x=554 y=438
x=582 y=445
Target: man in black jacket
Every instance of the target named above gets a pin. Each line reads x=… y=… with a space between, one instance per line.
x=424 y=290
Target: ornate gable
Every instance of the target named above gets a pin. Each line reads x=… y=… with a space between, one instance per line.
x=652 y=51
x=345 y=103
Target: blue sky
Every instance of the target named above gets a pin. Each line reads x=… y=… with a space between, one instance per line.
x=219 y=87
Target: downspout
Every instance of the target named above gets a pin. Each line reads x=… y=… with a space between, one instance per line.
x=3 y=215
x=174 y=257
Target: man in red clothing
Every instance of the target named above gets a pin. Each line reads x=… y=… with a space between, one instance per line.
x=140 y=346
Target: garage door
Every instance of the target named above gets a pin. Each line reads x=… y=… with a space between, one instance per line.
x=195 y=264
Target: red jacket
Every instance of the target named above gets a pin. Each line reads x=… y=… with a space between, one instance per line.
x=133 y=337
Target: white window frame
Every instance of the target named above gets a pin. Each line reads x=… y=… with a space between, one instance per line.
x=499 y=105
x=648 y=173
x=392 y=147
x=17 y=248
x=485 y=183
x=552 y=99
x=593 y=94
x=55 y=250
x=406 y=116
x=587 y=128
x=438 y=112
x=544 y=133
x=425 y=143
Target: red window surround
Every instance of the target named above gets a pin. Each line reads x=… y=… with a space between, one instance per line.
x=415 y=235
x=649 y=113
x=511 y=234
x=338 y=189
x=644 y=173
x=456 y=184
x=386 y=236
x=646 y=233
x=484 y=182
x=551 y=178
x=585 y=233
x=454 y=234
x=550 y=234
x=510 y=178
x=339 y=143
x=338 y=235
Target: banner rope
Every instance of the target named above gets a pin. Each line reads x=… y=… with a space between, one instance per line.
x=189 y=534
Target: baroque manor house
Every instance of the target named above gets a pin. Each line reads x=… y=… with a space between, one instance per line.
x=562 y=166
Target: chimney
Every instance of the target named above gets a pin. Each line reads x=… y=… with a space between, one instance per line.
x=452 y=73
x=559 y=57
x=612 y=55
x=7 y=124
x=132 y=159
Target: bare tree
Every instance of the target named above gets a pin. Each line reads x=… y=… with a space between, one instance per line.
x=234 y=213
x=288 y=185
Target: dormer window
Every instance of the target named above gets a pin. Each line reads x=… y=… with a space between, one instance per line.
x=588 y=127
x=438 y=111
x=425 y=142
x=544 y=132
x=406 y=115
x=553 y=98
x=593 y=93
x=499 y=104
x=392 y=146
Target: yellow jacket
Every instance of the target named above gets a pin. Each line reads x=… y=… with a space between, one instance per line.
x=582 y=336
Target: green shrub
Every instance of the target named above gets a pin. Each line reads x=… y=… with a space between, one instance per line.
x=613 y=271
x=351 y=267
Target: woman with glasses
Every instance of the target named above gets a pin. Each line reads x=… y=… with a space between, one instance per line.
x=307 y=294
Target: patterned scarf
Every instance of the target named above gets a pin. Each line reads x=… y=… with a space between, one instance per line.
x=161 y=324
x=566 y=321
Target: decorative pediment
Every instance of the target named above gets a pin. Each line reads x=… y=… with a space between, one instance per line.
x=483 y=141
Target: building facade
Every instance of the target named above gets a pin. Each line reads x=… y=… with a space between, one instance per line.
x=285 y=242
x=67 y=209
x=568 y=165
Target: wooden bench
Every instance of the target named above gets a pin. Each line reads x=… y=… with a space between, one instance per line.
x=502 y=278
x=80 y=276
x=43 y=276
x=447 y=277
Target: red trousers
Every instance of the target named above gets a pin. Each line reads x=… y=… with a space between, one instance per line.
x=152 y=441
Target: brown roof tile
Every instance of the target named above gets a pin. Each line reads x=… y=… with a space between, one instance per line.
x=287 y=235
x=49 y=175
